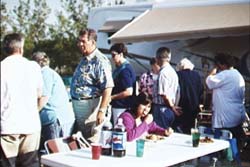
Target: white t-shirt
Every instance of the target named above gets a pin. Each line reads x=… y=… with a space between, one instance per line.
x=21 y=80
x=228 y=98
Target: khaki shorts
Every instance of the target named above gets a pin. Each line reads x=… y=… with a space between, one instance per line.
x=20 y=149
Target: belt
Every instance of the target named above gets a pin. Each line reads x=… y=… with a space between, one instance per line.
x=85 y=98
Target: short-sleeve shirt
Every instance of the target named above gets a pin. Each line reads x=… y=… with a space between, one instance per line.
x=57 y=105
x=21 y=80
x=92 y=76
x=228 y=98
x=147 y=82
x=125 y=79
x=167 y=84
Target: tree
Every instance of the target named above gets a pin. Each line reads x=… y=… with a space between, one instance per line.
x=70 y=21
x=58 y=40
x=4 y=19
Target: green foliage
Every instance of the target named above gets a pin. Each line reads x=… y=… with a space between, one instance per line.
x=58 y=40
x=4 y=19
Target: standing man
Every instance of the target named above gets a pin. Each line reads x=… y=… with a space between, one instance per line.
x=228 y=87
x=21 y=91
x=56 y=117
x=164 y=105
x=91 y=85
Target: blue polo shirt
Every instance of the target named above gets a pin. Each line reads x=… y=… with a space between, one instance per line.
x=124 y=79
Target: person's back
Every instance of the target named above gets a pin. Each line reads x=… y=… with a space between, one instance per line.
x=56 y=111
x=228 y=97
x=21 y=91
x=58 y=100
x=190 y=88
x=19 y=96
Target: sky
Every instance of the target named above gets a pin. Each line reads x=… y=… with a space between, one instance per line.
x=55 y=5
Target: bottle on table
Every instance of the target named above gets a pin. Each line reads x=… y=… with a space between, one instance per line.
x=119 y=138
x=106 y=138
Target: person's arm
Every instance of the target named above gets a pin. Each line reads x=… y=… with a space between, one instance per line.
x=127 y=92
x=155 y=129
x=42 y=101
x=213 y=71
x=103 y=106
x=177 y=110
x=133 y=132
x=214 y=79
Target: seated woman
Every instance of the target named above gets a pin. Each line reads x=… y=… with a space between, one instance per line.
x=138 y=121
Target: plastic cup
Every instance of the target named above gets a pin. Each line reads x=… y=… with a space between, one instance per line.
x=96 y=149
x=140 y=147
x=195 y=137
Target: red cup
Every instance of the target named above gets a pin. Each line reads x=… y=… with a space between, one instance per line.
x=96 y=149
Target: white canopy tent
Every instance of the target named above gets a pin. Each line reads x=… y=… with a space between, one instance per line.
x=187 y=22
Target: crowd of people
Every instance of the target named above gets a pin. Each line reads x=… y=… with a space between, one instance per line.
x=35 y=104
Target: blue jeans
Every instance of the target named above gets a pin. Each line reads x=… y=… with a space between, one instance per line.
x=50 y=131
x=163 y=116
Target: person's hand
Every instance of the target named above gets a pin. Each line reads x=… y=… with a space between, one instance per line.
x=213 y=71
x=168 y=131
x=148 y=119
x=100 y=117
x=177 y=110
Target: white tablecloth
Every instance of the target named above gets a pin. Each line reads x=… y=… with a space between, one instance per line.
x=172 y=150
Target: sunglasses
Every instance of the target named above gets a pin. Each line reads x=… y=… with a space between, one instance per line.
x=114 y=54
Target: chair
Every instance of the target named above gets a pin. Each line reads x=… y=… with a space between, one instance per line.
x=246 y=128
x=76 y=141
x=232 y=151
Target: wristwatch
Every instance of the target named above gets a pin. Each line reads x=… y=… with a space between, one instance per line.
x=102 y=110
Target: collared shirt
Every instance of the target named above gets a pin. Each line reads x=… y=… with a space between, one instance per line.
x=20 y=81
x=124 y=77
x=57 y=106
x=92 y=76
x=228 y=98
x=147 y=82
x=167 y=84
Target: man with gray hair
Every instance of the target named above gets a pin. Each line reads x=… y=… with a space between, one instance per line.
x=91 y=86
x=56 y=116
x=21 y=91
x=166 y=90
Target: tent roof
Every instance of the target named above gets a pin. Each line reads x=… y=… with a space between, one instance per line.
x=186 y=23
x=113 y=25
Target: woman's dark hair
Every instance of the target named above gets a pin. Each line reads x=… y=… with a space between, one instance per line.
x=119 y=48
x=224 y=59
x=142 y=98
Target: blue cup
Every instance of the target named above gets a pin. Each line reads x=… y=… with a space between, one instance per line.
x=140 y=147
